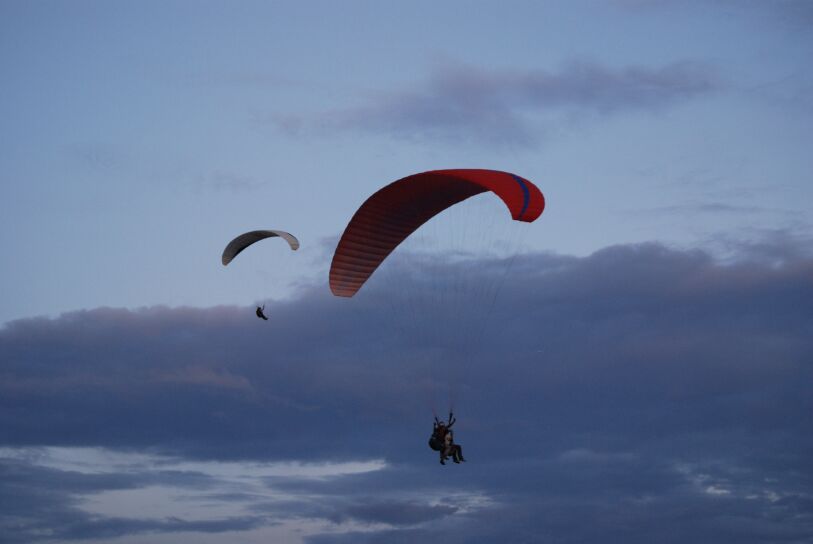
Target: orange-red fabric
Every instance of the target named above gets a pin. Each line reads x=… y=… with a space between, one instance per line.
x=390 y=215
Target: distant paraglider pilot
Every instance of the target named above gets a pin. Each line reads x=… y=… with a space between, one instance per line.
x=442 y=440
x=236 y=246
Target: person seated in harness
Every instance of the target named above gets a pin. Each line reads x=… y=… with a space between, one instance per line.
x=442 y=440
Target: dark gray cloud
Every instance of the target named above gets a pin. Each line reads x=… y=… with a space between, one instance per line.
x=41 y=503
x=637 y=394
x=87 y=527
x=368 y=510
x=464 y=103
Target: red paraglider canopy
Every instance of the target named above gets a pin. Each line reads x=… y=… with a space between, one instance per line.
x=390 y=215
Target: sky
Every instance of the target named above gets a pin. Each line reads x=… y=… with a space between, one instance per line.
x=633 y=366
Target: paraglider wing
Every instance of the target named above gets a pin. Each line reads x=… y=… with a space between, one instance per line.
x=390 y=215
x=244 y=240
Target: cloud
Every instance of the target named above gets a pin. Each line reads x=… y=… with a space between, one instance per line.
x=717 y=208
x=640 y=393
x=42 y=503
x=227 y=182
x=772 y=247
x=397 y=512
x=460 y=102
x=99 y=157
x=793 y=14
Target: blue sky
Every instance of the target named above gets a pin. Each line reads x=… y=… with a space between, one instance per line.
x=137 y=138
x=654 y=317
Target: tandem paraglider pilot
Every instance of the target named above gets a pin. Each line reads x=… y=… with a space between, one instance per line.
x=442 y=440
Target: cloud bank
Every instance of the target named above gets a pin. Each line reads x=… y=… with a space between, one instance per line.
x=638 y=394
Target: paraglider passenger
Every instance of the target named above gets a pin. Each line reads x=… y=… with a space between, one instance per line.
x=442 y=440
x=260 y=313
